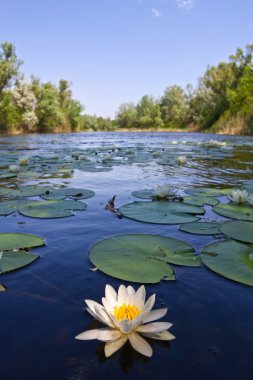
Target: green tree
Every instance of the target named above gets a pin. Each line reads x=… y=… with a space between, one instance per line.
x=174 y=107
x=9 y=66
x=127 y=116
x=149 y=113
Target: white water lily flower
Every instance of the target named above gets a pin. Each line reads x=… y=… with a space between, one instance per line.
x=240 y=196
x=181 y=160
x=127 y=317
x=164 y=191
x=14 y=168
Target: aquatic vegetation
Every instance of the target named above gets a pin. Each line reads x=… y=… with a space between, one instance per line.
x=13 y=250
x=181 y=160
x=14 y=168
x=143 y=258
x=23 y=161
x=127 y=318
x=240 y=196
x=162 y=212
x=164 y=191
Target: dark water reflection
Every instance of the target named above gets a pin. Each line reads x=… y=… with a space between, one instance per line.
x=43 y=308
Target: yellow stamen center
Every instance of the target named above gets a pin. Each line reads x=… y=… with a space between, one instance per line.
x=126 y=312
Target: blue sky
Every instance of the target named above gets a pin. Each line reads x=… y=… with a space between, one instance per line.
x=116 y=51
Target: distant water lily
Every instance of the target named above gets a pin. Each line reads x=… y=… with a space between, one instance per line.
x=240 y=196
x=127 y=317
x=14 y=168
x=164 y=191
x=181 y=160
x=23 y=161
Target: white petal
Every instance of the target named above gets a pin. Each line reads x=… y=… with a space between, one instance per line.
x=110 y=294
x=155 y=314
x=140 y=296
x=125 y=325
x=88 y=335
x=107 y=305
x=122 y=295
x=102 y=314
x=94 y=315
x=111 y=347
x=149 y=304
x=106 y=335
x=91 y=304
x=164 y=335
x=154 y=327
x=140 y=344
x=130 y=290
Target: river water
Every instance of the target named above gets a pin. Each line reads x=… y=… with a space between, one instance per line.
x=43 y=309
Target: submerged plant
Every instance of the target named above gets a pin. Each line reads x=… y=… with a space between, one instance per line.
x=127 y=317
x=240 y=196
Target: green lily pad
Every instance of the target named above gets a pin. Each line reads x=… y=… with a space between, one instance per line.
x=8 y=207
x=141 y=258
x=238 y=230
x=68 y=192
x=51 y=209
x=201 y=228
x=144 y=194
x=235 y=211
x=10 y=260
x=161 y=212
x=4 y=191
x=230 y=259
x=10 y=241
x=204 y=191
x=29 y=191
x=201 y=200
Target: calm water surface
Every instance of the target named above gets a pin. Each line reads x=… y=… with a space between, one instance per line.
x=43 y=309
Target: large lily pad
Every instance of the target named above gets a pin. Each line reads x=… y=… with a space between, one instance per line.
x=161 y=212
x=51 y=209
x=10 y=260
x=230 y=259
x=238 y=230
x=201 y=228
x=141 y=258
x=8 y=207
x=201 y=200
x=10 y=241
x=68 y=193
x=235 y=211
x=204 y=191
x=29 y=191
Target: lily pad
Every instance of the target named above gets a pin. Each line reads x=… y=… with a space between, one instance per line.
x=10 y=260
x=144 y=194
x=235 y=211
x=29 y=191
x=230 y=259
x=10 y=241
x=8 y=207
x=201 y=228
x=68 y=193
x=201 y=200
x=161 y=212
x=141 y=258
x=51 y=209
x=238 y=230
x=204 y=191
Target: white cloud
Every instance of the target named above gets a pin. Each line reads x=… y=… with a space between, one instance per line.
x=185 y=4
x=155 y=12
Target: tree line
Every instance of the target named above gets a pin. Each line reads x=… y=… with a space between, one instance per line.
x=221 y=102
